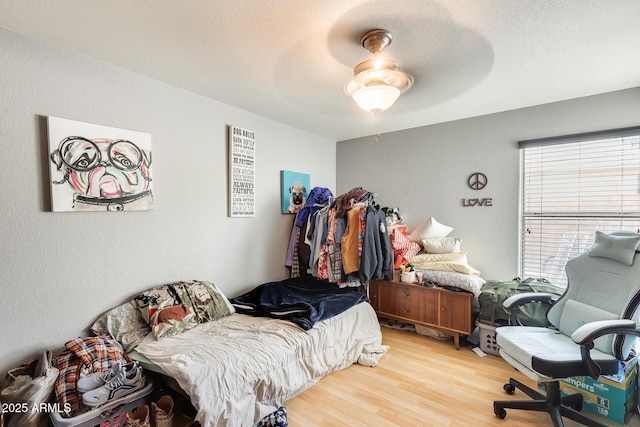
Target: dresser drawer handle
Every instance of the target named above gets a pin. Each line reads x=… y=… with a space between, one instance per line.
x=406 y=310
x=407 y=292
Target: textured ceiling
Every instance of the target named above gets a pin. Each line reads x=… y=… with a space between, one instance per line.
x=288 y=60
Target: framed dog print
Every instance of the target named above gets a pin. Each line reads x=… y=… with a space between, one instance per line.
x=98 y=168
x=295 y=187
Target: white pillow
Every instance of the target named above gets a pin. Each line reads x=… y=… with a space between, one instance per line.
x=617 y=247
x=455 y=266
x=442 y=245
x=124 y=323
x=453 y=256
x=429 y=229
x=447 y=262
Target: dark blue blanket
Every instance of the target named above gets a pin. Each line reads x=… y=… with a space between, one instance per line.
x=302 y=300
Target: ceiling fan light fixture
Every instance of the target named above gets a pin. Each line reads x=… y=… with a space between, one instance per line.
x=377 y=83
x=376 y=98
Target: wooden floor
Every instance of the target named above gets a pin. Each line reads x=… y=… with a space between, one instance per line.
x=421 y=381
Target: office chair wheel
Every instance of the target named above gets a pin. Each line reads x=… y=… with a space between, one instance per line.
x=509 y=389
x=500 y=413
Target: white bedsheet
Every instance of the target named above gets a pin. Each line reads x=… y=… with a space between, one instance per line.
x=239 y=369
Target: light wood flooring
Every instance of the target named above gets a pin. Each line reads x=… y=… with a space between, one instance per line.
x=421 y=381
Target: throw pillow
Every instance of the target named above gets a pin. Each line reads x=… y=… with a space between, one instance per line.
x=403 y=248
x=430 y=229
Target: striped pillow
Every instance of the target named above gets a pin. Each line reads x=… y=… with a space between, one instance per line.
x=403 y=247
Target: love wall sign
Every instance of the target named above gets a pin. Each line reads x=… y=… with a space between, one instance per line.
x=477 y=181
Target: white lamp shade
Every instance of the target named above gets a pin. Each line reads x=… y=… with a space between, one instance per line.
x=376 y=98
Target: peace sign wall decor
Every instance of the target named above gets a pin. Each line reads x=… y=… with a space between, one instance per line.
x=477 y=181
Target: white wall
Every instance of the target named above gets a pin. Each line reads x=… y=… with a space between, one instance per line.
x=424 y=171
x=59 y=271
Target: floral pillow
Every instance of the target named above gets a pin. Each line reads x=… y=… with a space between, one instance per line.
x=174 y=308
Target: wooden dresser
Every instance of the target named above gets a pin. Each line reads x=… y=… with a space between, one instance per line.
x=438 y=308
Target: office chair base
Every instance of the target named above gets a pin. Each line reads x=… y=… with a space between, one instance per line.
x=556 y=406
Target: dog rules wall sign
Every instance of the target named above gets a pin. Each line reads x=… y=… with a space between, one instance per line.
x=242 y=172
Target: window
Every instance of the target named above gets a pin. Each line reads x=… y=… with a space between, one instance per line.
x=574 y=186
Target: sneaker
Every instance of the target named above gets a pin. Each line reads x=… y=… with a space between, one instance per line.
x=124 y=383
x=162 y=412
x=138 y=418
x=95 y=380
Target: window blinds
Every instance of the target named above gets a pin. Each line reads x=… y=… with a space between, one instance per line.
x=574 y=186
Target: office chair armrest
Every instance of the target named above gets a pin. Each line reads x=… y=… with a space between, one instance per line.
x=514 y=302
x=526 y=297
x=592 y=330
x=587 y=333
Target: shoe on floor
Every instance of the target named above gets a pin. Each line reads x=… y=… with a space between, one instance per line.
x=124 y=383
x=162 y=411
x=138 y=418
x=96 y=379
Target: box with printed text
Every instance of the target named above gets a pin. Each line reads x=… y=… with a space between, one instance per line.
x=611 y=396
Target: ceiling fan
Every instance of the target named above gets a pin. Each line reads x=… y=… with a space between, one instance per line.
x=377 y=82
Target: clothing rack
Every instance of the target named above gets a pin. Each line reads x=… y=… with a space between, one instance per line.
x=342 y=245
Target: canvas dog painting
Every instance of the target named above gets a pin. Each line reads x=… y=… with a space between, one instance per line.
x=298 y=197
x=91 y=173
x=295 y=187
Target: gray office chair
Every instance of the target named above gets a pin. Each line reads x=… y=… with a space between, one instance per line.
x=594 y=326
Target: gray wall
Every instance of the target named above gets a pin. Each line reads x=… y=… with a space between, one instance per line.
x=60 y=271
x=424 y=171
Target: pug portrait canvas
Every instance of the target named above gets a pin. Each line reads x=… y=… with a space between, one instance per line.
x=98 y=168
x=295 y=188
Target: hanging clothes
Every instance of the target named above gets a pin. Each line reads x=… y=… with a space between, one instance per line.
x=351 y=241
x=299 y=249
x=344 y=241
x=376 y=260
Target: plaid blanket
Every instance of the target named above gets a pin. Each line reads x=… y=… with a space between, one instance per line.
x=80 y=358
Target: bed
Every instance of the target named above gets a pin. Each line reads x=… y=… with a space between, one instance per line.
x=238 y=368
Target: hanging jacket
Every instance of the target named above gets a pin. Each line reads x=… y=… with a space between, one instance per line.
x=376 y=261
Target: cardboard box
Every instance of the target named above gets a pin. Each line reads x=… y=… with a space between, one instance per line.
x=612 y=396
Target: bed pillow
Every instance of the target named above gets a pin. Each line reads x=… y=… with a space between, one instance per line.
x=451 y=256
x=468 y=282
x=173 y=308
x=429 y=229
x=621 y=248
x=442 y=245
x=454 y=266
x=209 y=303
x=124 y=323
x=457 y=265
